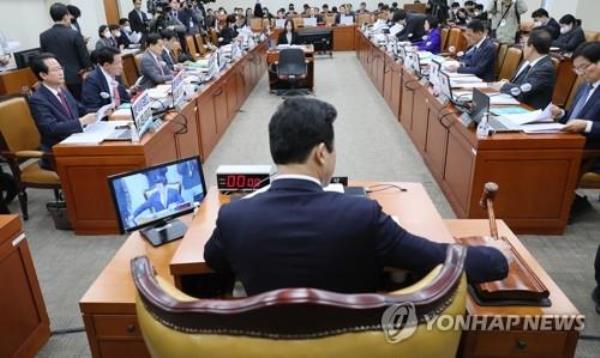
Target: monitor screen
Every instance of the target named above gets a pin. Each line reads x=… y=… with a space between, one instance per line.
x=413 y=62
x=141 y=110
x=177 y=89
x=445 y=85
x=23 y=58
x=481 y=105
x=157 y=194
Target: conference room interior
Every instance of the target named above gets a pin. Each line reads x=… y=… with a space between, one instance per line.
x=403 y=131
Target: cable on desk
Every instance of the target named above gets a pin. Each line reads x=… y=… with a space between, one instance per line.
x=384 y=186
x=59 y=332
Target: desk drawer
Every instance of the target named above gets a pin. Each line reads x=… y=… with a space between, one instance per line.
x=516 y=344
x=116 y=326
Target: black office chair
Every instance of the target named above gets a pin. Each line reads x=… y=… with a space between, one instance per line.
x=292 y=68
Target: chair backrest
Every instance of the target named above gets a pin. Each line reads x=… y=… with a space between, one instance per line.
x=445 y=37
x=591 y=36
x=361 y=19
x=500 y=55
x=298 y=22
x=256 y=24
x=291 y=62
x=574 y=89
x=191 y=45
x=511 y=63
x=456 y=39
x=330 y=20
x=420 y=8
x=300 y=321
x=138 y=62
x=17 y=125
x=199 y=40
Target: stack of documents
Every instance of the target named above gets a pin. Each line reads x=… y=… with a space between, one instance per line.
x=502 y=99
x=159 y=92
x=544 y=128
x=529 y=117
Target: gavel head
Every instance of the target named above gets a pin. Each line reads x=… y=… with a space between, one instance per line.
x=490 y=189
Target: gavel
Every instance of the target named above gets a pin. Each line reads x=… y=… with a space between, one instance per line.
x=490 y=189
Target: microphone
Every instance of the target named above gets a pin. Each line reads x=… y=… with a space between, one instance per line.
x=524 y=88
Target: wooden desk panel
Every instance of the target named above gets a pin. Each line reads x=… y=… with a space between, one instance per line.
x=14 y=81
x=24 y=323
x=556 y=342
x=343 y=38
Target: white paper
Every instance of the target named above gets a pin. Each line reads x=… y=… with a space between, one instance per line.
x=395 y=29
x=347 y=20
x=546 y=128
x=538 y=116
x=310 y=21
x=159 y=92
x=470 y=85
x=335 y=188
x=503 y=99
x=102 y=111
x=279 y=23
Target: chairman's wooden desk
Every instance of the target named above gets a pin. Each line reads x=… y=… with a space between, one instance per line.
x=84 y=169
x=308 y=82
x=537 y=174
x=108 y=307
x=343 y=36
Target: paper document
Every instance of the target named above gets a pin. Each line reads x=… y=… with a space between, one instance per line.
x=502 y=100
x=160 y=91
x=395 y=29
x=336 y=188
x=469 y=85
x=545 y=128
x=509 y=110
x=538 y=116
x=102 y=112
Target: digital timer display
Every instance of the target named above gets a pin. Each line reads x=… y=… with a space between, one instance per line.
x=243 y=182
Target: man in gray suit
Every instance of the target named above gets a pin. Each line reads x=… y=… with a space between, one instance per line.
x=153 y=68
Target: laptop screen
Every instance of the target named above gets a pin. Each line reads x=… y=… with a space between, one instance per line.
x=481 y=105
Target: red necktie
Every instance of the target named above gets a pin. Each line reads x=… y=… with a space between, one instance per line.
x=65 y=104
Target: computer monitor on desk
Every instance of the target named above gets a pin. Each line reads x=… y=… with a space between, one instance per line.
x=178 y=89
x=151 y=199
x=141 y=111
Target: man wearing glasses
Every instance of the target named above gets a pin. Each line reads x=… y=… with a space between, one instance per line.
x=584 y=115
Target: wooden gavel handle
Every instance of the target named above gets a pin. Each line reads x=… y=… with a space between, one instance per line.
x=490 y=190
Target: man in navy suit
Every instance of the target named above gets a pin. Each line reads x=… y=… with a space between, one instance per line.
x=295 y=234
x=480 y=58
x=56 y=113
x=103 y=85
x=542 y=19
x=536 y=72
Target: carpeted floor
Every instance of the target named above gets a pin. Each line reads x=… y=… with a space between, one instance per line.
x=371 y=145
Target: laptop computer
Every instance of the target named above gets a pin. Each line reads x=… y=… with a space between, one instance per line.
x=481 y=107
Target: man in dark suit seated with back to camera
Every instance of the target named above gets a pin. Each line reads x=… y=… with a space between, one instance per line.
x=56 y=113
x=295 y=234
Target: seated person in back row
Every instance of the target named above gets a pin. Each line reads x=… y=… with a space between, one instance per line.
x=480 y=58
x=172 y=46
x=56 y=113
x=153 y=67
x=295 y=234
x=228 y=33
x=571 y=34
x=103 y=85
x=289 y=35
x=533 y=82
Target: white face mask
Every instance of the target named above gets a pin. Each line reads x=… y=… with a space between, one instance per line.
x=117 y=34
x=127 y=28
x=565 y=29
x=106 y=35
x=537 y=24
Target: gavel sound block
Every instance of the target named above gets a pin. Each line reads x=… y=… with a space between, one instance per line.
x=521 y=286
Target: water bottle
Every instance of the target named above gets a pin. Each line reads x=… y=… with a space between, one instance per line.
x=483 y=129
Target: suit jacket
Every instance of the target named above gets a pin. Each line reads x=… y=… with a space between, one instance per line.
x=541 y=77
x=104 y=42
x=137 y=24
x=297 y=235
x=432 y=42
x=591 y=112
x=228 y=34
x=51 y=118
x=284 y=41
x=151 y=70
x=154 y=203
x=94 y=85
x=480 y=62
x=123 y=40
x=69 y=48
x=570 y=41
x=169 y=59
x=414 y=29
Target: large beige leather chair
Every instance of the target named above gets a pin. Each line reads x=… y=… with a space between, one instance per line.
x=299 y=322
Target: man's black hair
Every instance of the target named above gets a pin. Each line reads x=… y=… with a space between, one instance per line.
x=541 y=40
x=476 y=26
x=106 y=55
x=152 y=39
x=540 y=13
x=58 y=11
x=168 y=35
x=298 y=125
x=589 y=51
x=38 y=66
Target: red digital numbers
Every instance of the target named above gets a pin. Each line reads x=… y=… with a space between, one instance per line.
x=242 y=182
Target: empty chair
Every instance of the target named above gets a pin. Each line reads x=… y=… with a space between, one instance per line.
x=191 y=46
x=301 y=322
x=445 y=37
x=511 y=63
x=21 y=141
x=256 y=24
x=501 y=54
x=292 y=68
x=298 y=22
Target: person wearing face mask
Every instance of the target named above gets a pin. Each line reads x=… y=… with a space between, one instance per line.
x=294 y=233
x=571 y=34
x=462 y=17
x=432 y=42
x=541 y=19
x=128 y=37
x=453 y=11
x=228 y=33
x=506 y=19
x=536 y=71
x=106 y=38
x=289 y=36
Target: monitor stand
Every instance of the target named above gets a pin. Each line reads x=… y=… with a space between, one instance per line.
x=164 y=232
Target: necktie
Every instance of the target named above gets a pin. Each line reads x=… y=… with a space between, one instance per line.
x=162 y=72
x=65 y=104
x=116 y=94
x=581 y=102
x=521 y=74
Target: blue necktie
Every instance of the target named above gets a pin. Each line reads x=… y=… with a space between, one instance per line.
x=581 y=102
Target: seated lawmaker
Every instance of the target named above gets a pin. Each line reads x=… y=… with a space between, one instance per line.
x=533 y=83
x=571 y=34
x=106 y=38
x=584 y=115
x=480 y=58
x=295 y=234
x=289 y=36
x=103 y=85
x=542 y=19
x=414 y=25
x=228 y=33
x=56 y=113
x=431 y=42
x=172 y=44
x=153 y=67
